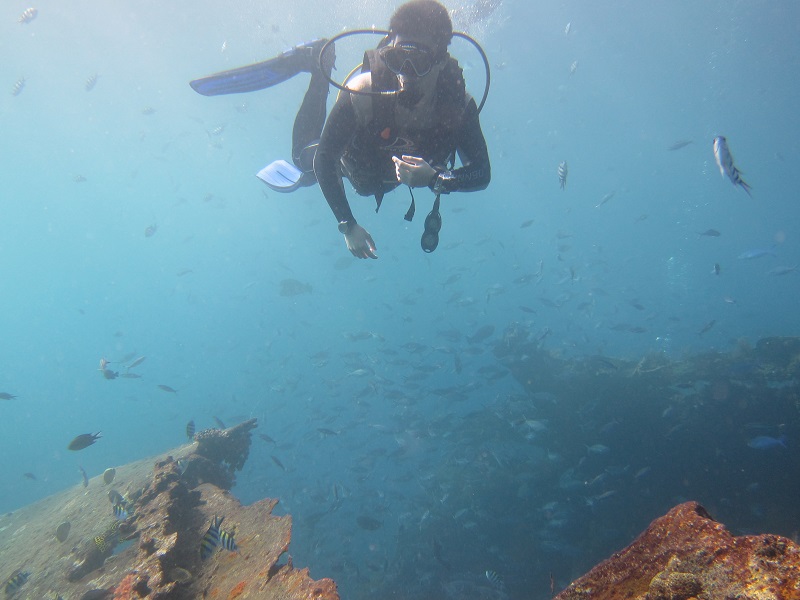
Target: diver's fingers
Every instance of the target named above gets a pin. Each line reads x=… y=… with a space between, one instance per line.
x=413 y=160
x=370 y=250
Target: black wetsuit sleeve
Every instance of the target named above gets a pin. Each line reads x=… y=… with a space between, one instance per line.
x=339 y=129
x=475 y=172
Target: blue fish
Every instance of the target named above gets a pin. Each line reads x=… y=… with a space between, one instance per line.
x=766 y=442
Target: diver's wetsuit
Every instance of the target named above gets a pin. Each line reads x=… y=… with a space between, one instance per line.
x=350 y=149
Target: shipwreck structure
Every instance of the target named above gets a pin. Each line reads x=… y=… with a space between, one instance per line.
x=76 y=545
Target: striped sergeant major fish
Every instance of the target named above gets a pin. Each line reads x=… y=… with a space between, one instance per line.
x=210 y=540
x=562 y=174
x=722 y=155
x=16 y=581
x=227 y=541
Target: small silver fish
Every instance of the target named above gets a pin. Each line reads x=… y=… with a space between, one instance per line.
x=573 y=67
x=90 y=83
x=725 y=163
x=16 y=90
x=563 y=170
x=28 y=15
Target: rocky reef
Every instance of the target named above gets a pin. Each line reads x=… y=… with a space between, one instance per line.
x=146 y=542
x=686 y=555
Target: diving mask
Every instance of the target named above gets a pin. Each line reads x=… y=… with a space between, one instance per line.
x=408 y=58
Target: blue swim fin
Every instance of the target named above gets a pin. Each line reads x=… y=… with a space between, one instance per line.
x=259 y=76
x=250 y=78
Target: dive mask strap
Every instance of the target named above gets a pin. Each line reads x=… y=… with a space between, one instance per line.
x=411 y=209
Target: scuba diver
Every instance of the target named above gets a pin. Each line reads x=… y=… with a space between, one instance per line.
x=402 y=120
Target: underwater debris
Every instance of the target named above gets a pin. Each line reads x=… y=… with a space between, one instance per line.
x=686 y=554
x=171 y=514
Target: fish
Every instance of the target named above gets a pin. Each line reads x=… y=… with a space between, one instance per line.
x=266 y=438
x=30 y=476
x=84 y=475
x=219 y=423
x=766 y=442
x=709 y=233
x=167 y=388
x=79 y=179
x=722 y=155
x=597 y=449
x=90 y=82
x=28 y=15
x=527 y=223
x=18 y=86
x=277 y=461
x=227 y=541
x=604 y=199
x=62 y=531
x=6 y=396
x=16 y=581
x=84 y=440
x=182 y=465
x=150 y=230
x=136 y=362
x=563 y=171
x=717 y=269
x=327 y=432
x=568 y=28
x=707 y=327
x=148 y=110
x=679 y=144
x=121 y=511
x=573 y=67
x=109 y=374
x=757 y=253
x=190 y=430
x=493 y=578
x=210 y=540
x=292 y=287
x=108 y=475
x=115 y=497
x=784 y=270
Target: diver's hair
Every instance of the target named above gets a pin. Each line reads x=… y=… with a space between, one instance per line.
x=426 y=17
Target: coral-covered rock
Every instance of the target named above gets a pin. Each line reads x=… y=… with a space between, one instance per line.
x=686 y=554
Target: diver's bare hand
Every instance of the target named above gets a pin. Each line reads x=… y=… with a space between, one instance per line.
x=360 y=242
x=413 y=171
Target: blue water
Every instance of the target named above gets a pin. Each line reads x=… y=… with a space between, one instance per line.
x=85 y=173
